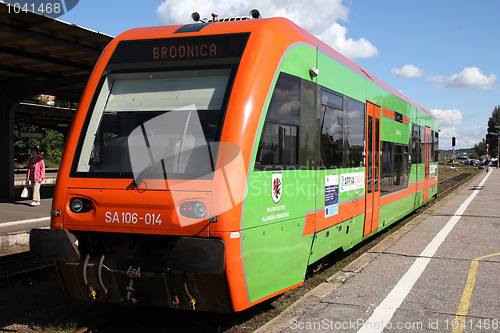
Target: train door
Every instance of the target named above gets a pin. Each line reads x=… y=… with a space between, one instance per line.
x=372 y=152
x=427 y=157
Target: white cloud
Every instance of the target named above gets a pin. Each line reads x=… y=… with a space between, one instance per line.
x=448 y=117
x=319 y=17
x=465 y=137
x=470 y=77
x=450 y=124
x=408 y=72
x=335 y=36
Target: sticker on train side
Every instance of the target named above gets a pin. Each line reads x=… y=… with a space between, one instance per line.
x=150 y=219
x=331 y=195
x=352 y=181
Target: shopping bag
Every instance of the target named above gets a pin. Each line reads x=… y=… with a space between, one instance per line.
x=24 y=193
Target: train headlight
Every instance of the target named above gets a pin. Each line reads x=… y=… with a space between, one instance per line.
x=80 y=205
x=193 y=209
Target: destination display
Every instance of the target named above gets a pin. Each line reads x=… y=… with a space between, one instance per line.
x=180 y=48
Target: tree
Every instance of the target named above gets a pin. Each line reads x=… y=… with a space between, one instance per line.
x=22 y=146
x=492 y=123
x=480 y=148
x=52 y=145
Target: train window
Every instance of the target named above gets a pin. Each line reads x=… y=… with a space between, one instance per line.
x=279 y=144
x=415 y=144
x=308 y=138
x=284 y=107
x=332 y=130
x=279 y=140
x=399 y=174
x=398 y=117
x=422 y=145
x=395 y=171
x=164 y=121
x=435 y=146
x=355 y=133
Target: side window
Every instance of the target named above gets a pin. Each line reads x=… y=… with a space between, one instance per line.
x=331 y=130
x=435 y=145
x=279 y=141
x=422 y=144
x=355 y=132
x=386 y=168
x=415 y=144
x=400 y=172
x=395 y=171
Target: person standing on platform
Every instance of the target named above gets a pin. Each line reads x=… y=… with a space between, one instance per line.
x=487 y=164
x=36 y=174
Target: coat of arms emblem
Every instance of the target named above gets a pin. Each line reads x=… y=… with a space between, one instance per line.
x=277 y=186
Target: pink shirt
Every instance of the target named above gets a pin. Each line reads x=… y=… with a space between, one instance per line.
x=39 y=169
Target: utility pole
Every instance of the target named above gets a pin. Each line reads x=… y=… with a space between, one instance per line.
x=453 y=145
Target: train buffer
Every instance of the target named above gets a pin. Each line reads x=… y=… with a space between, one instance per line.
x=439 y=275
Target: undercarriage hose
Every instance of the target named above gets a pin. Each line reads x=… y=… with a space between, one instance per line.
x=99 y=278
x=92 y=292
x=188 y=294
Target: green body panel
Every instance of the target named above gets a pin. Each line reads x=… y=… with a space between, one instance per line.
x=394 y=211
x=395 y=131
x=419 y=199
x=298 y=197
x=298 y=59
x=379 y=96
x=432 y=191
x=343 y=235
x=275 y=252
x=337 y=77
x=274 y=247
x=426 y=120
x=275 y=257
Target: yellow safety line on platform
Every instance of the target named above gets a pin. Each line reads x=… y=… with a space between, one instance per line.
x=463 y=308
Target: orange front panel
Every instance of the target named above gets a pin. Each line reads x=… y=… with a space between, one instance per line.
x=116 y=205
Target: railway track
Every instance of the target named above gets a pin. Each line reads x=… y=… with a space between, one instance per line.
x=18 y=265
x=447 y=185
x=97 y=317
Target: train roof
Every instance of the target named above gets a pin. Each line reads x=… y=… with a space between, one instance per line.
x=285 y=28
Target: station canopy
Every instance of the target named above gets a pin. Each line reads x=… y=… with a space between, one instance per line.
x=43 y=55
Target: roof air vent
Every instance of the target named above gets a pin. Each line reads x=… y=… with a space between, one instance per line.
x=254 y=14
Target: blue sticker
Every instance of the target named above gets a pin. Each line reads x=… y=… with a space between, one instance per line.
x=331 y=195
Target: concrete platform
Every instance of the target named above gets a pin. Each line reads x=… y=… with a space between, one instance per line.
x=438 y=273
x=17 y=218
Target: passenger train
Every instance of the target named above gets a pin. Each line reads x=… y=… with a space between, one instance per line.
x=210 y=164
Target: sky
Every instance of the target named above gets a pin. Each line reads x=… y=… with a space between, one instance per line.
x=441 y=54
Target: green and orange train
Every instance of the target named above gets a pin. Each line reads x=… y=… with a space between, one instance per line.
x=210 y=164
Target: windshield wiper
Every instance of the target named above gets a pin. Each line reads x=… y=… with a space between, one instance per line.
x=182 y=142
x=154 y=162
x=146 y=171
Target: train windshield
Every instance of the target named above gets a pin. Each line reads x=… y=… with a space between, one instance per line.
x=155 y=125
